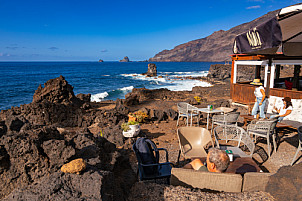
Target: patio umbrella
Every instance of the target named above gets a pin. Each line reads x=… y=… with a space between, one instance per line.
x=281 y=34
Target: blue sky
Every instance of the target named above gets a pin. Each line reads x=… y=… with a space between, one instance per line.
x=88 y=30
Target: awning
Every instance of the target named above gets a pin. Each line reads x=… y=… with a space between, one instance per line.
x=279 y=35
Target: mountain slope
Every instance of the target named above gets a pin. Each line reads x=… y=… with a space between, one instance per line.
x=216 y=47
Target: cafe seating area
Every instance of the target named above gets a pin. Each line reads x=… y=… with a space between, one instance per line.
x=198 y=129
x=244 y=174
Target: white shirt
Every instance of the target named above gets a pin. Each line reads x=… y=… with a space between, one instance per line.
x=257 y=92
x=283 y=111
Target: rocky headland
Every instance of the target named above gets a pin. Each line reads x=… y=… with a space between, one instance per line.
x=216 y=47
x=64 y=147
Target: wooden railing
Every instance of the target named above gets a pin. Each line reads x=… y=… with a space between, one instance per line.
x=244 y=93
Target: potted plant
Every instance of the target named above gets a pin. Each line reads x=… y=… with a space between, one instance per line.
x=138 y=116
x=125 y=127
x=132 y=117
x=130 y=129
x=198 y=99
x=133 y=125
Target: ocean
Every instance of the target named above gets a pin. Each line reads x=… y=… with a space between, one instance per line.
x=104 y=81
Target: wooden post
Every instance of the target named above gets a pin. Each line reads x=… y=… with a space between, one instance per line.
x=257 y=72
x=232 y=77
x=278 y=67
x=268 y=78
x=296 y=77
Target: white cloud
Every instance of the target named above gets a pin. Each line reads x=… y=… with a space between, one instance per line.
x=253 y=7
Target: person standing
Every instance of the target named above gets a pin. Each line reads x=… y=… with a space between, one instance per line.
x=260 y=99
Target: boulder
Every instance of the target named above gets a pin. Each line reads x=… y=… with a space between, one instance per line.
x=120 y=107
x=132 y=99
x=286 y=184
x=84 y=97
x=91 y=185
x=57 y=152
x=75 y=166
x=55 y=91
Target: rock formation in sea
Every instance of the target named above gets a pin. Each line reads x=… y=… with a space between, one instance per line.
x=152 y=70
x=100 y=60
x=216 y=47
x=125 y=59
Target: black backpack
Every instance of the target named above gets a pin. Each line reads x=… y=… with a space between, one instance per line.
x=147 y=153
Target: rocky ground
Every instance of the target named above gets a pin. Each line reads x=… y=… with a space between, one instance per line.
x=57 y=127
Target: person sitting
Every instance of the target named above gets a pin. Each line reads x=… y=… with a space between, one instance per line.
x=217 y=161
x=285 y=110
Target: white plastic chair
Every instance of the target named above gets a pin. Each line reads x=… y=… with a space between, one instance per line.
x=188 y=111
x=265 y=129
x=234 y=133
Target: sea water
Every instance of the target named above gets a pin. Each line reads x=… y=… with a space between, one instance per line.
x=104 y=81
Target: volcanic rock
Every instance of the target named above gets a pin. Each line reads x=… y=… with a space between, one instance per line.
x=120 y=107
x=126 y=59
x=152 y=70
x=4 y=159
x=3 y=128
x=57 y=151
x=84 y=97
x=55 y=91
x=75 y=166
x=286 y=184
x=26 y=157
x=219 y=71
x=92 y=185
x=132 y=99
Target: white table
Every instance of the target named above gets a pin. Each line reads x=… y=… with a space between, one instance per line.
x=206 y=110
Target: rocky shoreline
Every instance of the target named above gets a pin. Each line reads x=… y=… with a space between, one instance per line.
x=37 y=139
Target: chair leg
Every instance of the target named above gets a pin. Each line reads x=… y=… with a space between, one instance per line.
x=178 y=157
x=274 y=143
x=187 y=120
x=268 y=147
x=299 y=148
x=177 y=120
x=168 y=180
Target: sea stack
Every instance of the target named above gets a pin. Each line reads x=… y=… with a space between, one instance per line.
x=101 y=60
x=126 y=59
x=152 y=71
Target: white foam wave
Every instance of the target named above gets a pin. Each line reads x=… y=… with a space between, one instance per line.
x=185 y=85
x=146 y=78
x=99 y=97
x=127 y=88
x=191 y=74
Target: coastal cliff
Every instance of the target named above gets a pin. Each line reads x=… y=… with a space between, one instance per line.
x=216 y=47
